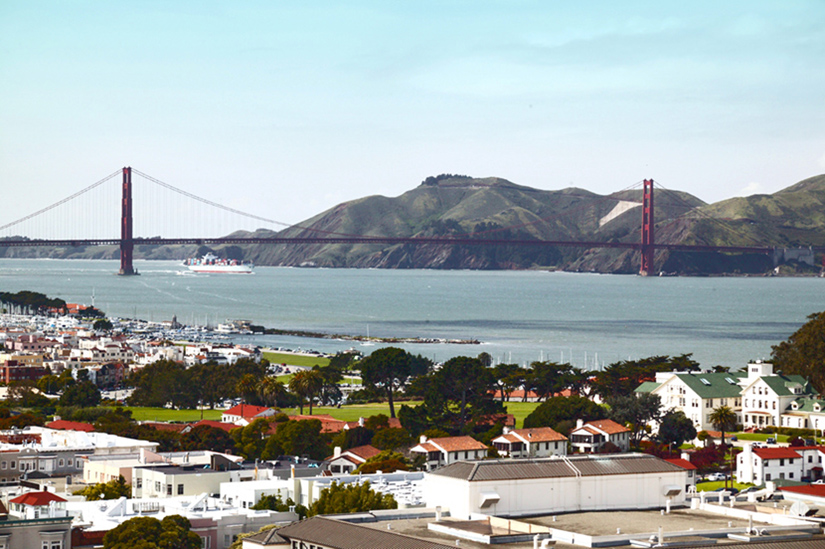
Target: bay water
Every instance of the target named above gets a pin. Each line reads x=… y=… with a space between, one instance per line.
x=519 y=316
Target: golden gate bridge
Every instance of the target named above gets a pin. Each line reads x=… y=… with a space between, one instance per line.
x=126 y=241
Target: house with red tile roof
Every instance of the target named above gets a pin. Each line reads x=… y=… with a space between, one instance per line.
x=328 y=423
x=244 y=414
x=35 y=505
x=210 y=423
x=591 y=436
x=342 y=463
x=760 y=465
x=446 y=450
x=537 y=442
x=64 y=425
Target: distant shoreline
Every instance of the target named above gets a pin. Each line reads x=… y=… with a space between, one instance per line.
x=365 y=339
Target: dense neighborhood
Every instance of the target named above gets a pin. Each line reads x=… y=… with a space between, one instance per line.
x=76 y=470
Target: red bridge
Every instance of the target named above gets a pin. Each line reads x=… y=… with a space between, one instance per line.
x=647 y=246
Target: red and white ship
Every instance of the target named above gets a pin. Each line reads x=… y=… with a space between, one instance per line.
x=210 y=263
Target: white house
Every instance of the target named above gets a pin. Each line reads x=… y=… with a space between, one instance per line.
x=767 y=396
x=591 y=436
x=697 y=394
x=343 y=463
x=761 y=465
x=446 y=450
x=538 y=442
x=244 y=414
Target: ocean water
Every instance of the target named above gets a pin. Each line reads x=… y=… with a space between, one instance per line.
x=519 y=316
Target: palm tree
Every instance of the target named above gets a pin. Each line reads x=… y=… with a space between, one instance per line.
x=724 y=419
x=306 y=384
x=270 y=390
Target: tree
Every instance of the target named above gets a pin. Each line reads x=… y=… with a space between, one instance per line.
x=350 y=498
x=102 y=324
x=271 y=390
x=509 y=377
x=392 y=439
x=675 y=428
x=636 y=413
x=297 y=438
x=390 y=369
x=622 y=378
x=561 y=413
x=84 y=394
x=803 y=353
x=456 y=398
x=548 y=378
x=386 y=462
x=724 y=419
x=173 y=532
x=206 y=437
x=352 y=438
x=114 y=489
x=251 y=440
x=164 y=382
x=306 y=384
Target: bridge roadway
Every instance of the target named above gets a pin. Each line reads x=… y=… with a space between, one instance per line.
x=389 y=240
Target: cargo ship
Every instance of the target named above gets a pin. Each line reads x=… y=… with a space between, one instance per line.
x=210 y=263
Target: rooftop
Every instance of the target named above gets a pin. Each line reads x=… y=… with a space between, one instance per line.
x=588 y=465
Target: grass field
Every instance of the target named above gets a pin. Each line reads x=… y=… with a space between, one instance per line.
x=295 y=360
x=350 y=412
x=520 y=410
x=757 y=436
x=711 y=486
x=166 y=414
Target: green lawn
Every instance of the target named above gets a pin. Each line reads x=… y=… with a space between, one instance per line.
x=295 y=360
x=756 y=436
x=520 y=410
x=166 y=414
x=711 y=486
x=351 y=412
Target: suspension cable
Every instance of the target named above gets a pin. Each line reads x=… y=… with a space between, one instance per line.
x=56 y=204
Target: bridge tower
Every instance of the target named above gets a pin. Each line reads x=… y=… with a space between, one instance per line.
x=648 y=247
x=126 y=243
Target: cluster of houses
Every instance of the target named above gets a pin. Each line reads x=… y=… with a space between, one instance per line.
x=105 y=360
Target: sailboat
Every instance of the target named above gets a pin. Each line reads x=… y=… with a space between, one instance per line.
x=367 y=342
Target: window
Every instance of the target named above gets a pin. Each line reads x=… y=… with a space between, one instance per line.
x=767 y=477
x=168 y=489
x=60 y=463
x=2 y=464
x=781 y=462
x=139 y=482
x=13 y=465
x=810 y=459
x=180 y=489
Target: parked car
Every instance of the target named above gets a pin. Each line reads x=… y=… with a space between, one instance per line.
x=734 y=438
x=771 y=440
x=717 y=476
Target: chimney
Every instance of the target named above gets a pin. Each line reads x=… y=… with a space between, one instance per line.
x=360 y=421
x=685 y=456
x=505 y=430
x=337 y=452
x=422 y=439
x=579 y=423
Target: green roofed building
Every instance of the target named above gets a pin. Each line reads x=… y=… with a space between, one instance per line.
x=758 y=396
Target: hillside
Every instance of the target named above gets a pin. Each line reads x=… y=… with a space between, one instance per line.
x=452 y=205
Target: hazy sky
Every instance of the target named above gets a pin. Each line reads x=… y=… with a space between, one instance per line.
x=287 y=108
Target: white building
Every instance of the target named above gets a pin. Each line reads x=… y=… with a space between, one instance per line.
x=539 y=442
x=766 y=396
x=244 y=414
x=761 y=465
x=446 y=450
x=520 y=487
x=217 y=522
x=589 y=437
x=349 y=460
x=697 y=394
